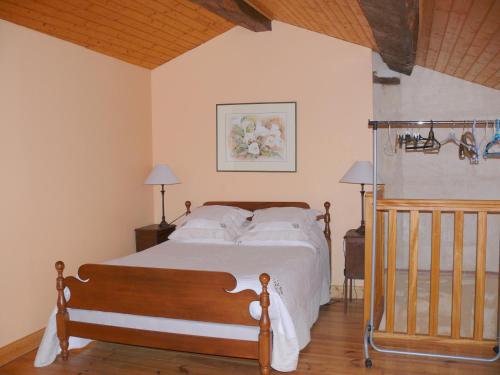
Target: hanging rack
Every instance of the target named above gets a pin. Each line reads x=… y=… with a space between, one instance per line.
x=427 y=123
x=368 y=334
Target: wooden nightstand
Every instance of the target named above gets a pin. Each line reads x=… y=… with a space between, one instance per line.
x=354 y=261
x=151 y=235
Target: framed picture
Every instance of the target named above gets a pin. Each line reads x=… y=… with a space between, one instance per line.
x=257 y=137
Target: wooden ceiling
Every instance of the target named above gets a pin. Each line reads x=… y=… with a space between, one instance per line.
x=147 y=33
x=457 y=37
x=461 y=38
x=342 y=19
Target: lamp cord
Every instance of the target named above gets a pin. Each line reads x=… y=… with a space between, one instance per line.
x=178 y=217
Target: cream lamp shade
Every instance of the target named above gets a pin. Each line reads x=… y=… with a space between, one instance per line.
x=361 y=172
x=162 y=175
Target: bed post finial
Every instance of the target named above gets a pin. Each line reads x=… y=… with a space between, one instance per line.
x=188 y=207
x=62 y=313
x=327 y=230
x=265 y=328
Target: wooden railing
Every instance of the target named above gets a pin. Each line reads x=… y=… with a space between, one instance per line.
x=385 y=296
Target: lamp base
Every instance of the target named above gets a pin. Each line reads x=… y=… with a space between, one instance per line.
x=163 y=224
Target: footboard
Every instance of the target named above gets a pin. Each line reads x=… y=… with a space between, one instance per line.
x=167 y=293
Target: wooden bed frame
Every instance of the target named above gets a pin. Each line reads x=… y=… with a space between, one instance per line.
x=170 y=293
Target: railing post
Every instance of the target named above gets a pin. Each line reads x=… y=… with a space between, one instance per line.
x=458 y=247
x=391 y=270
x=435 y=272
x=379 y=269
x=413 y=273
x=482 y=226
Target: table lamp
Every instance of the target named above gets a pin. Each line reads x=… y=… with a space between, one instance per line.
x=361 y=172
x=162 y=175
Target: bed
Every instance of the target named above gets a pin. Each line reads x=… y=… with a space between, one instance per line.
x=256 y=302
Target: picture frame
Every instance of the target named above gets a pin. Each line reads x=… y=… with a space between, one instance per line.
x=256 y=137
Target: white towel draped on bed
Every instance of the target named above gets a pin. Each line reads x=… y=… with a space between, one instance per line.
x=299 y=285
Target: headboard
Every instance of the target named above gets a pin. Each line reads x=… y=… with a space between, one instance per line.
x=252 y=206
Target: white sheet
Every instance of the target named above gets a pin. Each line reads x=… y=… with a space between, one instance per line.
x=299 y=285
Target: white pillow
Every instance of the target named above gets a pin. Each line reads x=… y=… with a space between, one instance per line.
x=203 y=235
x=275 y=231
x=211 y=224
x=277 y=224
x=221 y=214
x=304 y=217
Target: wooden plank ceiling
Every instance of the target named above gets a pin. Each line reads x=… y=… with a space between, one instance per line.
x=461 y=38
x=457 y=37
x=342 y=19
x=147 y=33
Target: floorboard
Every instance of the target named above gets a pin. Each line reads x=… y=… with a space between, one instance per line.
x=336 y=348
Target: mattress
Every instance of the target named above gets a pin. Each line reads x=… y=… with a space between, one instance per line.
x=300 y=279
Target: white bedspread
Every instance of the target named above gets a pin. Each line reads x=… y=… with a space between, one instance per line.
x=299 y=285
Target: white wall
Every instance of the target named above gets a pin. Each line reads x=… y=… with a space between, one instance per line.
x=426 y=95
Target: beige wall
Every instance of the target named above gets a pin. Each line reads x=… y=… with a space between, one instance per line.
x=75 y=147
x=428 y=94
x=329 y=79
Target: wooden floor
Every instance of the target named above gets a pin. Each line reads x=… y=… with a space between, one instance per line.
x=336 y=348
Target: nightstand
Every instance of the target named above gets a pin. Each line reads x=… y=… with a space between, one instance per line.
x=354 y=261
x=151 y=235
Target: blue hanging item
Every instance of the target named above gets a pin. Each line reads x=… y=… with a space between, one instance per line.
x=495 y=140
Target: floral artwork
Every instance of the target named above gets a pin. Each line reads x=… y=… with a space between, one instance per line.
x=256 y=137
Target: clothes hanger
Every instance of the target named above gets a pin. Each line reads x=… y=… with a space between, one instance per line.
x=431 y=145
x=451 y=138
x=463 y=146
x=475 y=159
x=427 y=144
x=406 y=137
x=413 y=141
x=389 y=150
x=485 y=139
x=468 y=149
x=494 y=141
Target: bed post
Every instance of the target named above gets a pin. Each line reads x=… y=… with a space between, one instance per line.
x=328 y=236
x=327 y=231
x=265 y=328
x=62 y=313
x=188 y=207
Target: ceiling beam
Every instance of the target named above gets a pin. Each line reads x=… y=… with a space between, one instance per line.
x=385 y=80
x=238 y=12
x=395 y=27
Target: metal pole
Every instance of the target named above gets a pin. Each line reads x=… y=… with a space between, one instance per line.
x=428 y=123
x=370 y=327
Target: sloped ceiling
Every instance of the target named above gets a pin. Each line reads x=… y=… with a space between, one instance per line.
x=457 y=37
x=342 y=19
x=147 y=33
x=461 y=38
